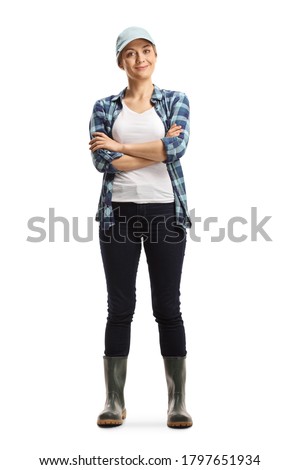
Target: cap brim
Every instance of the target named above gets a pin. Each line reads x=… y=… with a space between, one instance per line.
x=129 y=41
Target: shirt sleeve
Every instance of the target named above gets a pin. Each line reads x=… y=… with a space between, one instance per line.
x=180 y=114
x=102 y=158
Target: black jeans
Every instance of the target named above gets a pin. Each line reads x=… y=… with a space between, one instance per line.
x=154 y=226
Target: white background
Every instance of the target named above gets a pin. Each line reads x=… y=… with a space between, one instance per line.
x=238 y=62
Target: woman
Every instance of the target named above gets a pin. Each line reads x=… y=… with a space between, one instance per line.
x=137 y=139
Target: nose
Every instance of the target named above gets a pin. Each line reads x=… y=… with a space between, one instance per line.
x=139 y=58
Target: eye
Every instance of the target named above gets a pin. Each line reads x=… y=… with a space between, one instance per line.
x=130 y=54
x=147 y=51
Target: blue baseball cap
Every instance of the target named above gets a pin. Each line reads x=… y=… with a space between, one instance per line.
x=130 y=34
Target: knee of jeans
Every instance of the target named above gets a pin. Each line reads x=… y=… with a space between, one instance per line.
x=168 y=318
x=120 y=316
x=166 y=304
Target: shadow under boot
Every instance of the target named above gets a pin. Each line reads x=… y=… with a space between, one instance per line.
x=114 y=412
x=175 y=368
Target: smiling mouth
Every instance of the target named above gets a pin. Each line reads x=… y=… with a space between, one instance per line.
x=142 y=68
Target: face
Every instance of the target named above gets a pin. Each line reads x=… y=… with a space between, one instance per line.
x=138 y=59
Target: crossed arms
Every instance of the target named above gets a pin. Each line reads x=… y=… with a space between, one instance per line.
x=112 y=156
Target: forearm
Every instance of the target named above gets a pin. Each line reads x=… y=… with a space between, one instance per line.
x=128 y=162
x=154 y=151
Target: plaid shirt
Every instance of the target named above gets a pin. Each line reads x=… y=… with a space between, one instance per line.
x=172 y=107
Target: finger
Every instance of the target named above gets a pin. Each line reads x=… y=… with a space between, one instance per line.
x=174 y=133
x=95 y=146
x=97 y=139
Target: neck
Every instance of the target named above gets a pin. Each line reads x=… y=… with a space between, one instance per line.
x=139 y=90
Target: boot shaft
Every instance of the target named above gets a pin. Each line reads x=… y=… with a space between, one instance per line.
x=175 y=368
x=115 y=370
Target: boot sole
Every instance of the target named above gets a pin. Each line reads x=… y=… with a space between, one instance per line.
x=180 y=424
x=109 y=423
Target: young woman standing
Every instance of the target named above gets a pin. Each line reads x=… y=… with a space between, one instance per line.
x=137 y=140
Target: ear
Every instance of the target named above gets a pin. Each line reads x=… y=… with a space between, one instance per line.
x=120 y=63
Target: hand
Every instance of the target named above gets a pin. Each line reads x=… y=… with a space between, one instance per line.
x=102 y=141
x=174 y=131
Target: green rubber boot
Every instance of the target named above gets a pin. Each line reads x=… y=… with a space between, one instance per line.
x=115 y=375
x=178 y=416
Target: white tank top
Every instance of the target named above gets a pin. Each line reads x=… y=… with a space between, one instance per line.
x=145 y=185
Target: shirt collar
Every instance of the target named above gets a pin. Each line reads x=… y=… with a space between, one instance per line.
x=156 y=95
